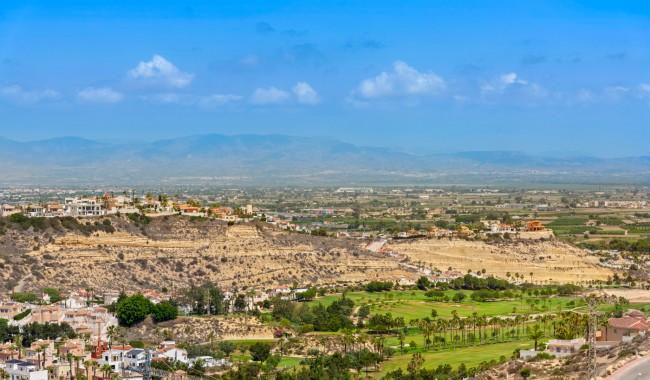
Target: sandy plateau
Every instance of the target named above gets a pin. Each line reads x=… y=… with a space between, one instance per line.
x=548 y=260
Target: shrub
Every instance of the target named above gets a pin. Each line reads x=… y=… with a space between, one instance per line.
x=133 y=309
x=22 y=315
x=164 y=311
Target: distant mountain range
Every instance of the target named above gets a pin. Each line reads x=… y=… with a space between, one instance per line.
x=287 y=160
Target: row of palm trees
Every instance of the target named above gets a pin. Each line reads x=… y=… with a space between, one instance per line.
x=475 y=330
x=471 y=331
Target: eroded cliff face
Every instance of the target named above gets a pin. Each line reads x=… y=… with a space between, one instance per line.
x=175 y=251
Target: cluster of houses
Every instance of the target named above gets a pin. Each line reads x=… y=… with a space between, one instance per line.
x=109 y=204
x=74 y=309
x=96 y=360
x=613 y=204
x=92 y=353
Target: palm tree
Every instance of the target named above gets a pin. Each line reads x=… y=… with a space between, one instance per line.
x=69 y=358
x=77 y=359
x=112 y=332
x=536 y=333
x=39 y=349
x=18 y=342
x=401 y=339
x=442 y=328
x=106 y=369
x=95 y=365
x=87 y=367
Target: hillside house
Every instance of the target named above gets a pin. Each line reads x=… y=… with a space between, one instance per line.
x=535 y=225
x=83 y=207
x=22 y=370
x=54 y=208
x=47 y=314
x=7 y=210
x=35 y=211
x=135 y=358
x=626 y=328
x=561 y=348
x=9 y=310
x=169 y=351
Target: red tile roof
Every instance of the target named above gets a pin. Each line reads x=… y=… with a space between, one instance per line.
x=627 y=323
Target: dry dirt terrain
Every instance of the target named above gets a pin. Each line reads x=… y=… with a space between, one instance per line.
x=632 y=295
x=176 y=251
x=549 y=260
x=199 y=329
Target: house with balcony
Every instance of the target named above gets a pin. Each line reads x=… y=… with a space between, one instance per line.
x=22 y=370
x=83 y=207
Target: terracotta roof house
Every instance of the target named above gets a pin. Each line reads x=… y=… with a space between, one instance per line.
x=623 y=329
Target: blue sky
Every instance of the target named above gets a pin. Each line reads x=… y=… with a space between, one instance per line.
x=543 y=76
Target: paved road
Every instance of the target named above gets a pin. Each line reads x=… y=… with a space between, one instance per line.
x=639 y=370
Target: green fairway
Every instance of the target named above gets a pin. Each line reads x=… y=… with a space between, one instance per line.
x=289 y=361
x=364 y=297
x=414 y=304
x=472 y=356
x=412 y=309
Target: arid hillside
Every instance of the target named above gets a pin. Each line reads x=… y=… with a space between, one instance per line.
x=118 y=252
x=175 y=251
x=548 y=260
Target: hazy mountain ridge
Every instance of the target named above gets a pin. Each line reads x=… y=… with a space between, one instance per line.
x=269 y=159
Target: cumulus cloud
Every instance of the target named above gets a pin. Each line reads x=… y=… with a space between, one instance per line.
x=402 y=81
x=17 y=94
x=305 y=94
x=99 y=95
x=269 y=95
x=160 y=71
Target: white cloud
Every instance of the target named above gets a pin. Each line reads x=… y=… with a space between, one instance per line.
x=218 y=100
x=404 y=80
x=503 y=82
x=511 y=78
x=19 y=95
x=99 y=95
x=269 y=95
x=160 y=71
x=305 y=94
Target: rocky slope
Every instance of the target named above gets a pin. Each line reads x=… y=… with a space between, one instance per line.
x=175 y=251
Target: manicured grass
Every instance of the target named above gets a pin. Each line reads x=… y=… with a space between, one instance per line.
x=364 y=297
x=472 y=356
x=288 y=361
x=420 y=309
x=414 y=304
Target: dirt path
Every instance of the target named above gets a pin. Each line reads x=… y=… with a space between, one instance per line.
x=21 y=284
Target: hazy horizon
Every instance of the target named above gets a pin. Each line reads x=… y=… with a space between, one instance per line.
x=417 y=76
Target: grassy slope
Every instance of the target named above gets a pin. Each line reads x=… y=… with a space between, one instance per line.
x=472 y=356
